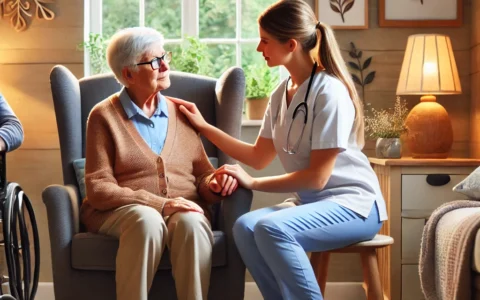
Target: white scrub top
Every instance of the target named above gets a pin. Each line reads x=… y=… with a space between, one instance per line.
x=353 y=184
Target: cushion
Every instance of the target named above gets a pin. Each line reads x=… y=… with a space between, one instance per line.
x=470 y=186
x=79 y=166
x=92 y=251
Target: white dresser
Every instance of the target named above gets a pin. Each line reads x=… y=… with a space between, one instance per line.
x=412 y=189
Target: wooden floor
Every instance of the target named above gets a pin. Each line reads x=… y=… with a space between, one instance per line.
x=334 y=291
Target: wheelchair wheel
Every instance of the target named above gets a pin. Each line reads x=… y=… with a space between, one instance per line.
x=21 y=244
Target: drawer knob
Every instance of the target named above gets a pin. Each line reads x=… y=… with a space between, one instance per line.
x=438 y=179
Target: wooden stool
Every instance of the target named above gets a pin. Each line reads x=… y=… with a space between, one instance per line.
x=367 y=250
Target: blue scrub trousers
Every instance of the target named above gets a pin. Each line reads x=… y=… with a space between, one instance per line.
x=273 y=242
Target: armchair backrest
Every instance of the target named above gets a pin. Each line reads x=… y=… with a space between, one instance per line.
x=219 y=100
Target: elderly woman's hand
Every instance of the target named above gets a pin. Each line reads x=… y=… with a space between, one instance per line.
x=192 y=113
x=223 y=183
x=180 y=204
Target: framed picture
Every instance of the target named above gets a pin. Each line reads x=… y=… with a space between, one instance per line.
x=420 y=13
x=343 y=14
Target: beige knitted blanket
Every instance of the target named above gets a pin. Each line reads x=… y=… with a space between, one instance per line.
x=446 y=251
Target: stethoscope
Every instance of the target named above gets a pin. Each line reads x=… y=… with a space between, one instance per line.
x=300 y=108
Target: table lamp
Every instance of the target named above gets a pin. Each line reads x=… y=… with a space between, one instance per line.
x=429 y=69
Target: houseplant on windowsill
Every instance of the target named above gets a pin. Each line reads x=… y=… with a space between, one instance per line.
x=387 y=126
x=260 y=82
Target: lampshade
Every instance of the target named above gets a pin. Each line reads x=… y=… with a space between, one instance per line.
x=429 y=69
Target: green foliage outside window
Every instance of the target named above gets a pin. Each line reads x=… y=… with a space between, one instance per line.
x=217 y=19
x=260 y=81
x=96 y=47
x=192 y=57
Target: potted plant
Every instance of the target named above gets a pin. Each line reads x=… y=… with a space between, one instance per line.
x=260 y=82
x=387 y=126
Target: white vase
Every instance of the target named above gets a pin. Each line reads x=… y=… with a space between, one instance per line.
x=388 y=148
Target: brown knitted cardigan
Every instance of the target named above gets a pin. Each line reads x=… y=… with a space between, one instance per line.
x=121 y=168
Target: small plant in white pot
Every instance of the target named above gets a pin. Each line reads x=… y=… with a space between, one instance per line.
x=260 y=82
x=387 y=126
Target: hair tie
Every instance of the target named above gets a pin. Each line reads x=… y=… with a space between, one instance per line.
x=319 y=25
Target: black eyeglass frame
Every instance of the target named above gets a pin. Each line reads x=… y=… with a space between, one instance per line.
x=156 y=62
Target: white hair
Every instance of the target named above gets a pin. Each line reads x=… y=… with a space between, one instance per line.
x=128 y=46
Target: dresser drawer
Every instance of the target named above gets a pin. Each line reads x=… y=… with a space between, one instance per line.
x=412 y=230
x=411 y=289
x=417 y=194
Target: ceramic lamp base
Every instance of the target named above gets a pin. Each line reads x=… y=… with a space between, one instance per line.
x=429 y=130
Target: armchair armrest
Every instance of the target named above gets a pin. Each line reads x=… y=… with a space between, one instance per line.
x=233 y=207
x=63 y=223
x=233 y=275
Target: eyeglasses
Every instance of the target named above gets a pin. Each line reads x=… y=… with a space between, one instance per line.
x=157 y=61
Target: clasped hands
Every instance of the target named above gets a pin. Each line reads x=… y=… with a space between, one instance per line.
x=220 y=183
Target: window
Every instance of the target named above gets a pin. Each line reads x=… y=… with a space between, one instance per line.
x=228 y=28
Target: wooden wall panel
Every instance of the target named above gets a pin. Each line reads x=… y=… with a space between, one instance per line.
x=27 y=89
x=26 y=59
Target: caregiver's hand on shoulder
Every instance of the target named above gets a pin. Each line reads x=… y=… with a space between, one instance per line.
x=223 y=184
x=180 y=204
x=192 y=113
x=244 y=179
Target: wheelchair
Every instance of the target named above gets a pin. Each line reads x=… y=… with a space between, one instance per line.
x=20 y=240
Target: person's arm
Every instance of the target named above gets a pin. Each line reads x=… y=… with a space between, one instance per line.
x=103 y=191
x=257 y=156
x=11 y=130
x=210 y=188
x=315 y=177
x=333 y=116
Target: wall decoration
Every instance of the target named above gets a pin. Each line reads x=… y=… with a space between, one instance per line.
x=420 y=13
x=359 y=67
x=343 y=14
x=20 y=11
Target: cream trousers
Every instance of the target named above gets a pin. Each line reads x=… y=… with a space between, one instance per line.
x=143 y=233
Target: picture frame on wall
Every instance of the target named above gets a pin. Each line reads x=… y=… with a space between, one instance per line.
x=343 y=14
x=420 y=13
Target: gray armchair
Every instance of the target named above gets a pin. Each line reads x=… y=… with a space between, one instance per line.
x=84 y=263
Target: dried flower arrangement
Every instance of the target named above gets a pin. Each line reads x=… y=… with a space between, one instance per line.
x=387 y=123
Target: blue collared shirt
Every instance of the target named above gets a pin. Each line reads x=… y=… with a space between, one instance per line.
x=11 y=130
x=153 y=130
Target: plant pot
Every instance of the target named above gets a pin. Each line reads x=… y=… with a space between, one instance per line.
x=255 y=108
x=388 y=148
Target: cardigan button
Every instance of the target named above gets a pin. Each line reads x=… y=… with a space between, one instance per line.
x=164 y=191
x=162 y=175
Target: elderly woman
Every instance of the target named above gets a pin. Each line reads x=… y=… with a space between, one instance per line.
x=148 y=179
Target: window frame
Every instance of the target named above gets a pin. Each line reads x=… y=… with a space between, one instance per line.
x=189 y=26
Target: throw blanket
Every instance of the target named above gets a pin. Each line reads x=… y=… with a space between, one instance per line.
x=446 y=250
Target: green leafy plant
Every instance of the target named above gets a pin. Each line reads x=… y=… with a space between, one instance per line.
x=260 y=81
x=387 y=123
x=96 y=47
x=192 y=57
x=360 y=67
